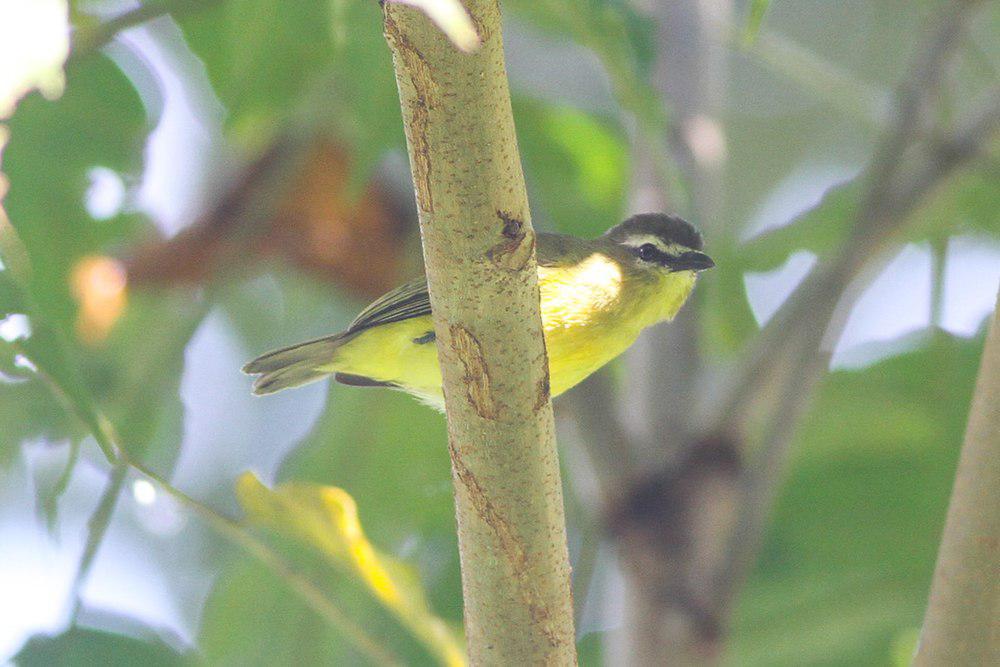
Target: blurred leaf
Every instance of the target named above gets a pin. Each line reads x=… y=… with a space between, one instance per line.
x=79 y=646
x=247 y=597
x=11 y=297
x=853 y=539
x=621 y=38
x=453 y=20
x=34 y=43
x=390 y=451
x=127 y=355
x=326 y=518
x=261 y=55
x=968 y=201
x=755 y=19
x=821 y=229
x=312 y=65
x=577 y=163
x=99 y=121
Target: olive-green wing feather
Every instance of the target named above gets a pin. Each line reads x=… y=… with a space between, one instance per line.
x=305 y=362
x=408 y=300
x=412 y=300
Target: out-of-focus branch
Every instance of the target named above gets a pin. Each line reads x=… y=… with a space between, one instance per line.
x=670 y=517
x=961 y=623
x=89 y=39
x=294 y=203
x=857 y=99
x=881 y=215
x=97 y=527
x=689 y=73
x=820 y=308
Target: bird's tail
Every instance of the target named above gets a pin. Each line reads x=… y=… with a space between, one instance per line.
x=294 y=365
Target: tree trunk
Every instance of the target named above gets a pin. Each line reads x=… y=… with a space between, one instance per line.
x=962 y=626
x=479 y=251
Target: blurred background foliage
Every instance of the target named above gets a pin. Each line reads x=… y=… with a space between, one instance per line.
x=227 y=176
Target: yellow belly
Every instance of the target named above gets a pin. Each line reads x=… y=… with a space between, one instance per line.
x=389 y=353
x=585 y=320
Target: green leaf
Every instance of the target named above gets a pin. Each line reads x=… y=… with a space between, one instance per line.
x=577 y=163
x=820 y=230
x=11 y=296
x=99 y=121
x=131 y=369
x=261 y=55
x=755 y=19
x=80 y=646
x=311 y=65
x=968 y=201
x=621 y=38
x=853 y=539
x=326 y=518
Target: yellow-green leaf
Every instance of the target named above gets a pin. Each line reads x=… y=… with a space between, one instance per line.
x=326 y=519
x=755 y=18
x=453 y=20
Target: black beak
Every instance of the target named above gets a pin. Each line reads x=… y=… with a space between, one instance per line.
x=691 y=261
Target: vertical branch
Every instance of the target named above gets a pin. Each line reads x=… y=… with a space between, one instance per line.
x=961 y=623
x=479 y=252
x=672 y=522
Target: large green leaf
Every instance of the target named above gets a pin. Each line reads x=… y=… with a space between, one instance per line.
x=846 y=567
x=390 y=452
x=326 y=519
x=261 y=55
x=314 y=63
x=78 y=647
x=99 y=121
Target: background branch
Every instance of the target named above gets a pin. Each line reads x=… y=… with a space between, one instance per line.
x=961 y=623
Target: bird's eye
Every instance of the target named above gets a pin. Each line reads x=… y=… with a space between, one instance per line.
x=648 y=252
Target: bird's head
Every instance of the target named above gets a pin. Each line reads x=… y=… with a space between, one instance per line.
x=661 y=243
x=662 y=252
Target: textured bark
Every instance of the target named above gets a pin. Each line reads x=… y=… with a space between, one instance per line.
x=962 y=626
x=479 y=251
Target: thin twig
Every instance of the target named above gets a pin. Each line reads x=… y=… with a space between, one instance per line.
x=239 y=536
x=100 y=428
x=97 y=527
x=87 y=40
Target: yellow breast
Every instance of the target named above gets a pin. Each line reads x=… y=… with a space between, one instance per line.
x=592 y=311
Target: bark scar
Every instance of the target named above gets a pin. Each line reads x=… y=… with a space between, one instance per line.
x=542 y=390
x=513 y=253
x=478 y=385
x=415 y=65
x=510 y=545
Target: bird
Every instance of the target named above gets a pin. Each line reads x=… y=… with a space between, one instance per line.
x=597 y=295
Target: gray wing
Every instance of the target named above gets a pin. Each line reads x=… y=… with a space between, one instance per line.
x=408 y=300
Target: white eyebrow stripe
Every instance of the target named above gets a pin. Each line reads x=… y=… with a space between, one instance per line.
x=637 y=240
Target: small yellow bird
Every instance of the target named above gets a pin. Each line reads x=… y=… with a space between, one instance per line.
x=597 y=295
